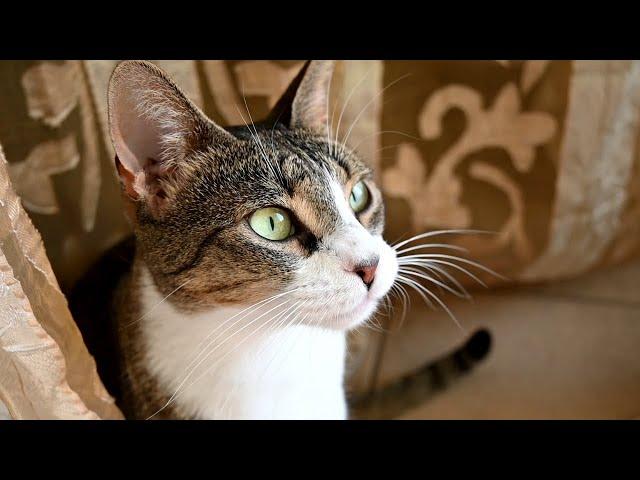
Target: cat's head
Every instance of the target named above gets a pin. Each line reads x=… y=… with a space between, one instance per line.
x=234 y=216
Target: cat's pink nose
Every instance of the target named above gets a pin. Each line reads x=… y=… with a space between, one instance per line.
x=367 y=271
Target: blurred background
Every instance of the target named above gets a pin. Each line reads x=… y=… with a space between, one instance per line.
x=544 y=153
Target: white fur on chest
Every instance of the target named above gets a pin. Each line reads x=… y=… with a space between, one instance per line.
x=249 y=369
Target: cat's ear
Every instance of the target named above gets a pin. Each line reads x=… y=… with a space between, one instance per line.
x=154 y=128
x=305 y=103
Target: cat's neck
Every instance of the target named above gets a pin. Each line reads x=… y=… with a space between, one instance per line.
x=243 y=367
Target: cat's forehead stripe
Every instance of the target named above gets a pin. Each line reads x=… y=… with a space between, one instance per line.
x=344 y=210
x=314 y=204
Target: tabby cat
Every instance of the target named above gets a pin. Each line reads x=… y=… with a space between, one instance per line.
x=256 y=249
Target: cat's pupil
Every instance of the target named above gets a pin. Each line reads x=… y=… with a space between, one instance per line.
x=273 y=226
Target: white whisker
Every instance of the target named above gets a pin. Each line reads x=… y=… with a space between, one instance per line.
x=192 y=368
x=244 y=312
x=344 y=106
x=432 y=245
x=419 y=288
x=452 y=265
x=382 y=132
x=158 y=304
x=406 y=301
x=439 y=272
x=409 y=282
x=441 y=232
x=410 y=271
x=179 y=391
x=255 y=330
x=281 y=325
x=295 y=322
x=256 y=137
x=460 y=259
x=380 y=92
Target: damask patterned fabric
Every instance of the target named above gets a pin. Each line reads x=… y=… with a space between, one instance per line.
x=545 y=153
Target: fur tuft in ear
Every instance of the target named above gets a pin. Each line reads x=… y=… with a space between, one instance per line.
x=305 y=103
x=154 y=128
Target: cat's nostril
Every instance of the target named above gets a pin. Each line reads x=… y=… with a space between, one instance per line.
x=367 y=271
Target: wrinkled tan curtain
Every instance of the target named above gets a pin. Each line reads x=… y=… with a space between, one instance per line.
x=45 y=369
x=544 y=153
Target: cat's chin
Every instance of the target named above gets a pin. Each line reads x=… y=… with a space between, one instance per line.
x=352 y=318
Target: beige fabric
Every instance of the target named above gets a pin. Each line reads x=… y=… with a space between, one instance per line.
x=594 y=173
x=543 y=152
x=45 y=369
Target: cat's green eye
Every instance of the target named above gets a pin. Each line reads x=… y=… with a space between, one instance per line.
x=272 y=223
x=359 y=197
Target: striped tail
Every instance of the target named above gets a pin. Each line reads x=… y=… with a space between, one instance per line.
x=415 y=388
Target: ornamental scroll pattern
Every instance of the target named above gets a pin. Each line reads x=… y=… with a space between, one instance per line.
x=435 y=196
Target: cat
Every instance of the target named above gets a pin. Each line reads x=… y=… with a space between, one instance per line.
x=256 y=249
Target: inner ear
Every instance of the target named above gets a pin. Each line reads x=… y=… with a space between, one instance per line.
x=150 y=118
x=154 y=128
x=137 y=137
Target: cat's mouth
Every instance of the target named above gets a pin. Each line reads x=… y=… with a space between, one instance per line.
x=354 y=316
